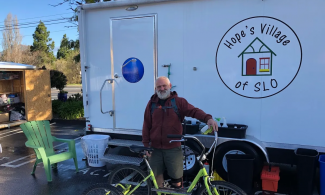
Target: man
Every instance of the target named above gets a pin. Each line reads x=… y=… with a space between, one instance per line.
x=161 y=119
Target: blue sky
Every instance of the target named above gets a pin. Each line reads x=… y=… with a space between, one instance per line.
x=30 y=11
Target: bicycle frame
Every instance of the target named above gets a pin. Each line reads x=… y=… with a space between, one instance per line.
x=202 y=173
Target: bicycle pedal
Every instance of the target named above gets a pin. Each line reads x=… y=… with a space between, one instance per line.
x=171 y=190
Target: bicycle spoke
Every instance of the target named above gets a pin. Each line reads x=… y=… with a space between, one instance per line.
x=126 y=179
x=224 y=191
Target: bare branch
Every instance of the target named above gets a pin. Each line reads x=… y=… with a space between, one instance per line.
x=64 y=1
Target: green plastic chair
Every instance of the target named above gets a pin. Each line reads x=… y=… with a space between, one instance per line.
x=39 y=138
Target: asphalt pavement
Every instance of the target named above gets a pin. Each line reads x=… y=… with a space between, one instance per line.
x=16 y=162
x=71 y=89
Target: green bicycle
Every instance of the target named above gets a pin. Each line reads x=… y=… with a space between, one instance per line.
x=133 y=180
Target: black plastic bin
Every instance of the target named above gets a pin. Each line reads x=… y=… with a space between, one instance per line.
x=241 y=170
x=190 y=128
x=306 y=166
x=233 y=131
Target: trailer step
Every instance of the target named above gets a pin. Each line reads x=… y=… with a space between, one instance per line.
x=119 y=159
x=123 y=142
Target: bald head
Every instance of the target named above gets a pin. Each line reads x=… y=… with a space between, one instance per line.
x=162 y=79
x=163 y=87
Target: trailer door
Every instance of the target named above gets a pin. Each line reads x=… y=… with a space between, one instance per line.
x=133 y=54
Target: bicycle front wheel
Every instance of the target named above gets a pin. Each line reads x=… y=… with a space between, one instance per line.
x=127 y=177
x=101 y=189
x=223 y=188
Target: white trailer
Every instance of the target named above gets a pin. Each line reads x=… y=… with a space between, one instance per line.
x=258 y=63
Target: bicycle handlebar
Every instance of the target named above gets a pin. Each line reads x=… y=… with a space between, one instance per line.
x=196 y=140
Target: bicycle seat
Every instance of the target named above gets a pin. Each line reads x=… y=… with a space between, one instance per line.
x=139 y=149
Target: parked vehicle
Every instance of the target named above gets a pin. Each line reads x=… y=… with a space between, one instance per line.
x=260 y=64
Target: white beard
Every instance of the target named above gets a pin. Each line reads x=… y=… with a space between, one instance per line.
x=163 y=94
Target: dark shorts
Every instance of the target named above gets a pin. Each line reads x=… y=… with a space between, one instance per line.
x=167 y=159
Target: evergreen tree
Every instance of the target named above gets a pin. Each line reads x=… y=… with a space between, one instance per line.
x=43 y=43
x=65 y=47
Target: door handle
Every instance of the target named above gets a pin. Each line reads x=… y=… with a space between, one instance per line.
x=111 y=112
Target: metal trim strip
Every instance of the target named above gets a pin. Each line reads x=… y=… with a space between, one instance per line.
x=111 y=4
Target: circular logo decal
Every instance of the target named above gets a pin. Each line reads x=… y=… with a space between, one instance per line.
x=258 y=57
x=132 y=70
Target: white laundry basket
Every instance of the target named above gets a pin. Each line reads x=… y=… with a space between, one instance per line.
x=94 y=147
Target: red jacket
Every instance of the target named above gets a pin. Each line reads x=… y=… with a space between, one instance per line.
x=161 y=123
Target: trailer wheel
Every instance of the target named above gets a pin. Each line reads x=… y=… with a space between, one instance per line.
x=235 y=147
x=192 y=165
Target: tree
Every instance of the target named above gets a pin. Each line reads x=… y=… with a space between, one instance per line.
x=75 y=3
x=11 y=43
x=73 y=6
x=32 y=58
x=70 y=64
x=73 y=68
x=76 y=47
x=58 y=80
x=75 y=44
x=43 y=44
x=65 y=47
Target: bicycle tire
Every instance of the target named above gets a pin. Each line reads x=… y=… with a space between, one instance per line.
x=223 y=188
x=101 y=189
x=130 y=175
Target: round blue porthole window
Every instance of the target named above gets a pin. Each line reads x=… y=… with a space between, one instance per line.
x=132 y=70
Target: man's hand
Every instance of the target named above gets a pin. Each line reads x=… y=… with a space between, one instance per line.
x=148 y=154
x=212 y=123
